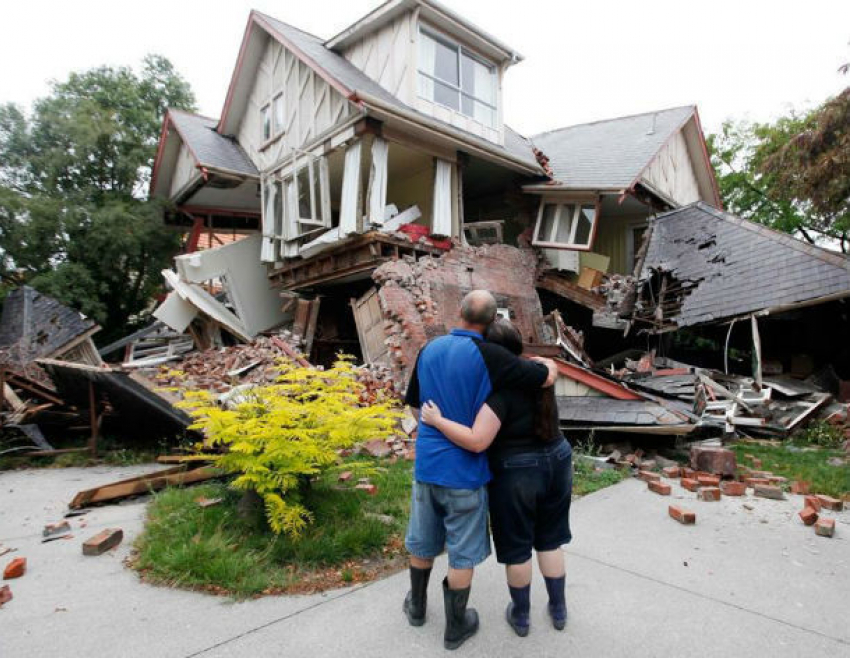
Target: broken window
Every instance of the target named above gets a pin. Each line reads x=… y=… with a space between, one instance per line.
x=565 y=225
x=487 y=232
x=452 y=76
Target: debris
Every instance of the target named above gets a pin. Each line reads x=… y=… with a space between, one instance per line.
x=708 y=480
x=708 y=494
x=671 y=471
x=386 y=519
x=733 y=488
x=15 y=569
x=5 y=595
x=800 y=487
x=683 y=516
x=720 y=461
x=808 y=516
x=825 y=527
x=768 y=491
x=649 y=476
x=66 y=535
x=56 y=528
x=377 y=448
x=690 y=484
x=370 y=489
x=207 y=502
x=103 y=541
x=813 y=502
x=345 y=476
x=661 y=488
x=828 y=502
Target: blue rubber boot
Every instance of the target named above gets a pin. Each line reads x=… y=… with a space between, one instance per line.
x=557 y=601
x=518 y=610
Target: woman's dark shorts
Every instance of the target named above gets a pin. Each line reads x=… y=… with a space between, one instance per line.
x=530 y=501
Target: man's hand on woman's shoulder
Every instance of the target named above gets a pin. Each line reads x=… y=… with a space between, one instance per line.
x=551 y=367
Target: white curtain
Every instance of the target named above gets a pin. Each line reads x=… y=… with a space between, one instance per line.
x=267 y=251
x=349 y=221
x=378 y=181
x=441 y=220
x=325 y=191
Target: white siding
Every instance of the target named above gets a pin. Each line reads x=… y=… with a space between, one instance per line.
x=184 y=170
x=388 y=57
x=311 y=106
x=671 y=173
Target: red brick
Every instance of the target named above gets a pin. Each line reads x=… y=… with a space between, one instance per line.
x=659 y=487
x=670 y=471
x=800 y=487
x=682 y=515
x=103 y=541
x=756 y=462
x=15 y=568
x=345 y=476
x=825 y=527
x=688 y=473
x=708 y=481
x=370 y=489
x=732 y=488
x=648 y=464
x=809 y=516
x=377 y=448
x=689 y=484
x=776 y=479
x=5 y=595
x=56 y=528
x=720 y=461
x=648 y=476
x=813 y=502
x=768 y=491
x=828 y=502
x=754 y=482
x=708 y=494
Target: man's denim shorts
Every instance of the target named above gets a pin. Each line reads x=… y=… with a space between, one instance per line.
x=452 y=518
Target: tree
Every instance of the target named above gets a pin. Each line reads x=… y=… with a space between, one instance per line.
x=792 y=174
x=74 y=220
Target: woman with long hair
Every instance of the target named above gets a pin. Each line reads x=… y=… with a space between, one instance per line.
x=529 y=495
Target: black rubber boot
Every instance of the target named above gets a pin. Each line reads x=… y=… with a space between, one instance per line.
x=557 y=601
x=518 y=610
x=461 y=624
x=416 y=600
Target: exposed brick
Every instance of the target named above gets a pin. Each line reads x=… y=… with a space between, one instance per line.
x=800 y=487
x=720 y=461
x=808 y=516
x=768 y=491
x=659 y=487
x=828 y=502
x=708 y=481
x=5 y=595
x=103 y=541
x=345 y=476
x=648 y=476
x=370 y=489
x=708 y=494
x=689 y=484
x=813 y=502
x=671 y=471
x=825 y=527
x=732 y=488
x=682 y=515
x=15 y=568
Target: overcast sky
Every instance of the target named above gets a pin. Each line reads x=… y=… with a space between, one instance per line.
x=583 y=60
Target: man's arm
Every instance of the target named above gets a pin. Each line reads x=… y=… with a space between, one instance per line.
x=411 y=396
x=476 y=438
x=507 y=370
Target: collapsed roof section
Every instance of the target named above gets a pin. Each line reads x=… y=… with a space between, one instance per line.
x=703 y=265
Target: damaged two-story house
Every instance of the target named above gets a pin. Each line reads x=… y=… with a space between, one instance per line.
x=373 y=181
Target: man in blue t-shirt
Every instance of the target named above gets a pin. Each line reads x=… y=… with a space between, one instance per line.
x=449 y=501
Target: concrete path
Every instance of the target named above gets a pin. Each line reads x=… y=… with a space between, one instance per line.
x=752 y=582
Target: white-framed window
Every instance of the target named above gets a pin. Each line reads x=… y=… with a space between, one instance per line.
x=266 y=122
x=452 y=76
x=565 y=225
x=488 y=232
x=278 y=117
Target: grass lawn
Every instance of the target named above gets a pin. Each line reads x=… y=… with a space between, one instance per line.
x=799 y=463
x=354 y=536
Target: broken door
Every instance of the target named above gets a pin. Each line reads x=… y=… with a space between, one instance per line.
x=370 y=328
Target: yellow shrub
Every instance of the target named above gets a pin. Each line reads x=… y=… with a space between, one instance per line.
x=283 y=434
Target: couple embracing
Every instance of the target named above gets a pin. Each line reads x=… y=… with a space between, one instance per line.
x=488 y=441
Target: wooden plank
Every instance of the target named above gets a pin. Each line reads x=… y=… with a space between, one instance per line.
x=84 y=497
x=182 y=459
x=145 y=484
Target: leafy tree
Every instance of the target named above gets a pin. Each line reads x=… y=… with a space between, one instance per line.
x=792 y=174
x=286 y=433
x=74 y=221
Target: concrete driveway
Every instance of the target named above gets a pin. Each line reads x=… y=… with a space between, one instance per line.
x=749 y=581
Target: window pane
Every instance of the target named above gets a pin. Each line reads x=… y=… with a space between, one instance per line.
x=585 y=225
x=446 y=96
x=278 y=210
x=478 y=80
x=304 y=211
x=426 y=87
x=546 y=221
x=478 y=111
x=267 y=122
x=278 y=114
x=445 y=63
x=565 y=224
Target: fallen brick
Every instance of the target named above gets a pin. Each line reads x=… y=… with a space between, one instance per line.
x=15 y=568
x=5 y=595
x=631 y=458
x=708 y=480
x=720 y=461
x=708 y=494
x=825 y=527
x=345 y=476
x=671 y=471
x=813 y=502
x=800 y=487
x=648 y=476
x=659 y=487
x=688 y=473
x=103 y=541
x=768 y=491
x=205 y=502
x=756 y=462
x=732 y=488
x=828 y=502
x=686 y=517
x=776 y=479
x=808 y=516
x=377 y=448
x=689 y=484
x=56 y=528
x=370 y=489
x=754 y=482
x=648 y=464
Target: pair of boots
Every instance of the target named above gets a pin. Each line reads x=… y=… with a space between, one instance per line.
x=461 y=624
x=519 y=608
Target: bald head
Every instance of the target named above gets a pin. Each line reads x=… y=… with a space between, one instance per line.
x=478 y=309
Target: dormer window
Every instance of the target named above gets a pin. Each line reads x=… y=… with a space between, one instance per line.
x=452 y=76
x=266 y=120
x=272 y=118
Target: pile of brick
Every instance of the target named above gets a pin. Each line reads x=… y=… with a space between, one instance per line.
x=840 y=418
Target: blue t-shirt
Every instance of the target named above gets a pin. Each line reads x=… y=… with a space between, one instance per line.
x=458 y=372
